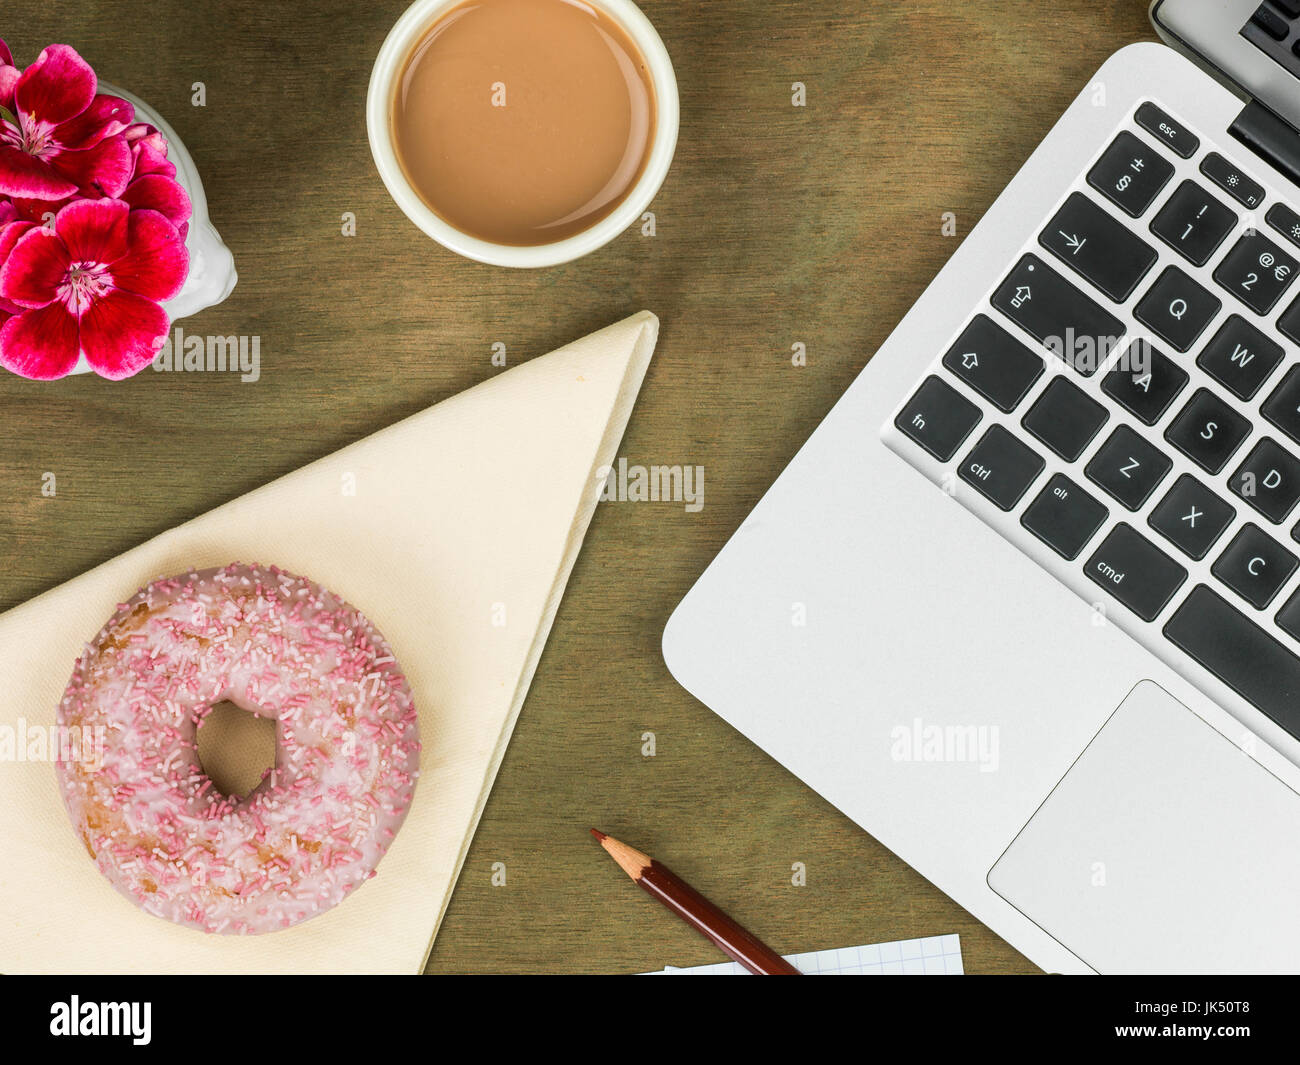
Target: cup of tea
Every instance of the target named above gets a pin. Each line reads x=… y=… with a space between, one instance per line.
x=523 y=133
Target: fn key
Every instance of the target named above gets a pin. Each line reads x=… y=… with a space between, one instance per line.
x=938 y=418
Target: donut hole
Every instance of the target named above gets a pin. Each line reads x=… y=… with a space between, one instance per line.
x=236 y=748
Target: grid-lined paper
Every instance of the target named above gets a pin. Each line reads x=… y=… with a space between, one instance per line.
x=931 y=956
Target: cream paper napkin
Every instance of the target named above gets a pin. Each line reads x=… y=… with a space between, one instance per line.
x=455 y=531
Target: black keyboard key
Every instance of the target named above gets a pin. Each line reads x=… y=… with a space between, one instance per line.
x=1271 y=22
x=1288 y=618
x=1000 y=467
x=1231 y=180
x=1193 y=223
x=1290 y=8
x=1177 y=308
x=1257 y=272
x=1282 y=408
x=1167 y=130
x=1064 y=516
x=994 y=363
x=1208 y=431
x=1139 y=575
x=1130 y=174
x=1128 y=467
x=1255 y=566
x=1069 y=324
x=938 y=418
x=1096 y=246
x=1242 y=655
x=1144 y=382
x=1065 y=418
x=1288 y=322
x=1240 y=357
x=1269 y=480
x=1191 y=517
x=1285 y=221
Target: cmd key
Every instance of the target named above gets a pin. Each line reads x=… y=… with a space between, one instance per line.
x=1139 y=575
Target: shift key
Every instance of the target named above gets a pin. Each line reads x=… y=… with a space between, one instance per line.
x=1049 y=308
x=1139 y=575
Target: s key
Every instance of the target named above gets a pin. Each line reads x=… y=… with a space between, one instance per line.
x=1208 y=431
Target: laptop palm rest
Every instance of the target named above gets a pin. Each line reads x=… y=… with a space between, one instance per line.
x=1165 y=848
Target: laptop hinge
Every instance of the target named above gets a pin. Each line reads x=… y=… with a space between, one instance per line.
x=1271 y=137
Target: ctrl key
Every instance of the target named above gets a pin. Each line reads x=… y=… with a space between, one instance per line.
x=938 y=418
x=1140 y=576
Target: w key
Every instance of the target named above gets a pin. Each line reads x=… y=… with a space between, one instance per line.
x=1092 y=243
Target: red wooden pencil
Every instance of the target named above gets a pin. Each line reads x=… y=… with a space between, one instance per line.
x=697 y=911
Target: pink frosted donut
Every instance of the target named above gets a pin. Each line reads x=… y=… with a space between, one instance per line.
x=347 y=749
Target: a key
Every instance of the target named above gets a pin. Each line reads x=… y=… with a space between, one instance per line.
x=938 y=418
x=1064 y=516
x=1065 y=418
x=1144 y=382
x=1166 y=130
x=994 y=363
x=1269 y=480
x=1095 y=245
x=1288 y=322
x=1177 y=308
x=1193 y=223
x=1240 y=357
x=1135 y=572
x=1130 y=174
x=1255 y=566
x=1243 y=656
x=1208 y=431
x=1282 y=408
x=1069 y=324
x=1128 y=467
x=1257 y=272
x=1288 y=618
x=1191 y=517
x=1000 y=467
x=1243 y=189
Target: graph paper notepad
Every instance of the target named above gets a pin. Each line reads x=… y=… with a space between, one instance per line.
x=932 y=956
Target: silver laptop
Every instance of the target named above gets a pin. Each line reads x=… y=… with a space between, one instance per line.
x=1027 y=604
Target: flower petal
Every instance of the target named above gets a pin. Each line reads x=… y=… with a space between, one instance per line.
x=105 y=117
x=6 y=56
x=9 y=76
x=104 y=169
x=121 y=333
x=150 y=154
x=9 y=234
x=24 y=175
x=94 y=231
x=57 y=87
x=40 y=344
x=34 y=269
x=160 y=194
x=156 y=264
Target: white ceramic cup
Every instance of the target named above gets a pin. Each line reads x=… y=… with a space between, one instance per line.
x=404 y=36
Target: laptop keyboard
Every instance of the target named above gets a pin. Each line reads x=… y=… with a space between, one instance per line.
x=1129 y=396
x=1275 y=29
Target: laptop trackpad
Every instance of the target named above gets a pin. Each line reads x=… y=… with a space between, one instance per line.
x=1163 y=849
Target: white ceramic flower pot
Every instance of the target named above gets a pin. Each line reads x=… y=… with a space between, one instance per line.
x=212 y=273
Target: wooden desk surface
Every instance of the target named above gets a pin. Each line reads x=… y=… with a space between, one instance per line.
x=777 y=225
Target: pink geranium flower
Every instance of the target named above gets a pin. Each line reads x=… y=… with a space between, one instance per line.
x=90 y=285
x=58 y=137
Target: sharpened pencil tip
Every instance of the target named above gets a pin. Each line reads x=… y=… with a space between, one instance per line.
x=599 y=835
